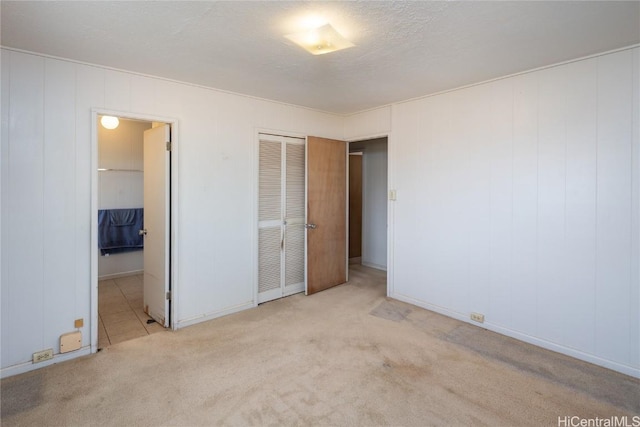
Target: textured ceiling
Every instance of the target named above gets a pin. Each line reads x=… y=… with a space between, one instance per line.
x=403 y=49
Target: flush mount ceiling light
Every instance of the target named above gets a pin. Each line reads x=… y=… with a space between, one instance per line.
x=109 y=122
x=321 y=40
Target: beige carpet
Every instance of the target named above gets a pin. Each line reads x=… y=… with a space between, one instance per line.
x=346 y=356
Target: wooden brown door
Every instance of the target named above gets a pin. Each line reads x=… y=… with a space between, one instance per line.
x=326 y=213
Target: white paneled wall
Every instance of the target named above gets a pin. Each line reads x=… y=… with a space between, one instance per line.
x=613 y=207
x=46 y=192
x=4 y=206
x=634 y=300
x=376 y=122
x=518 y=199
x=58 y=210
x=23 y=240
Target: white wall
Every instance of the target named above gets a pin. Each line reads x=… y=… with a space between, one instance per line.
x=368 y=124
x=120 y=151
x=519 y=199
x=46 y=192
x=374 y=201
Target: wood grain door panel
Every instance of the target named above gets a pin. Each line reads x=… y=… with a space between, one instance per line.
x=327 y=209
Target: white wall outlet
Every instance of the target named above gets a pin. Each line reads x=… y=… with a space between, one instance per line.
x=477 y=317
x=43 y=355
x=392 y=195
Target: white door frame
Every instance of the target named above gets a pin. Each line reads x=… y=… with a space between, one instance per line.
x=173 y=267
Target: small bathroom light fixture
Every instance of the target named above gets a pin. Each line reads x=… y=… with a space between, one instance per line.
x=321 y=40
x=109 y=122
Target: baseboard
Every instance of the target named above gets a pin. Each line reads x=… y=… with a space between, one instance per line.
x=21 y=368
x=374 y=265
x=591 y=358
x=119 y=275
x=213 y=315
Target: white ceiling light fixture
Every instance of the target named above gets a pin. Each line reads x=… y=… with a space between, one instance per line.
x=109 y=122
x=320 y=40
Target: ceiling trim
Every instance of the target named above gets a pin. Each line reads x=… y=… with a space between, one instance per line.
x=166 y=79
x=533 y=70
x=520 y=73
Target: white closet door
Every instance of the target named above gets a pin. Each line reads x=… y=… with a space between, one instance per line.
x=294 y=218
x=270 y=218
x=281 y=216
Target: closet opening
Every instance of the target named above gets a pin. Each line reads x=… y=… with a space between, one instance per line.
x=368 y=203
x=308 y=228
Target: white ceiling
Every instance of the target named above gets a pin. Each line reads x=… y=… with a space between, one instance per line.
x=403 y=49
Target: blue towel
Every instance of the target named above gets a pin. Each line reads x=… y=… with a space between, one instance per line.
x=118 y=230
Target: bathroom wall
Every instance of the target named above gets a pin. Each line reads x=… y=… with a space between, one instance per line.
x=120 y=186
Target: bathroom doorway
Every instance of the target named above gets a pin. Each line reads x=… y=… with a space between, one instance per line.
x=133 y=211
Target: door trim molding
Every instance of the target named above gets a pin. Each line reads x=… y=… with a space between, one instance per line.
x=174 y=123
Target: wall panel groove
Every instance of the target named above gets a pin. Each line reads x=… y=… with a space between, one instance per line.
x=518 y=199
x=47 y=192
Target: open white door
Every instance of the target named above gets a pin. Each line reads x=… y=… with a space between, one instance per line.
x=156 y=223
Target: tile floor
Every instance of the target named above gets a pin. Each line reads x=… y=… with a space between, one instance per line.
x=120 y=311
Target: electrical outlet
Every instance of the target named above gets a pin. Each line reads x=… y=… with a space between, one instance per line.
x=477 y=317
x=43 y=355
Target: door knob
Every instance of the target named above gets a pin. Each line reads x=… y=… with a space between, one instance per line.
x=142 y=232
x=310 y=226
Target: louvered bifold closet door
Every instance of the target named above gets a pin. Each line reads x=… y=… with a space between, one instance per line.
x=294 y=217
x=270 y=217
x=281 y=216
